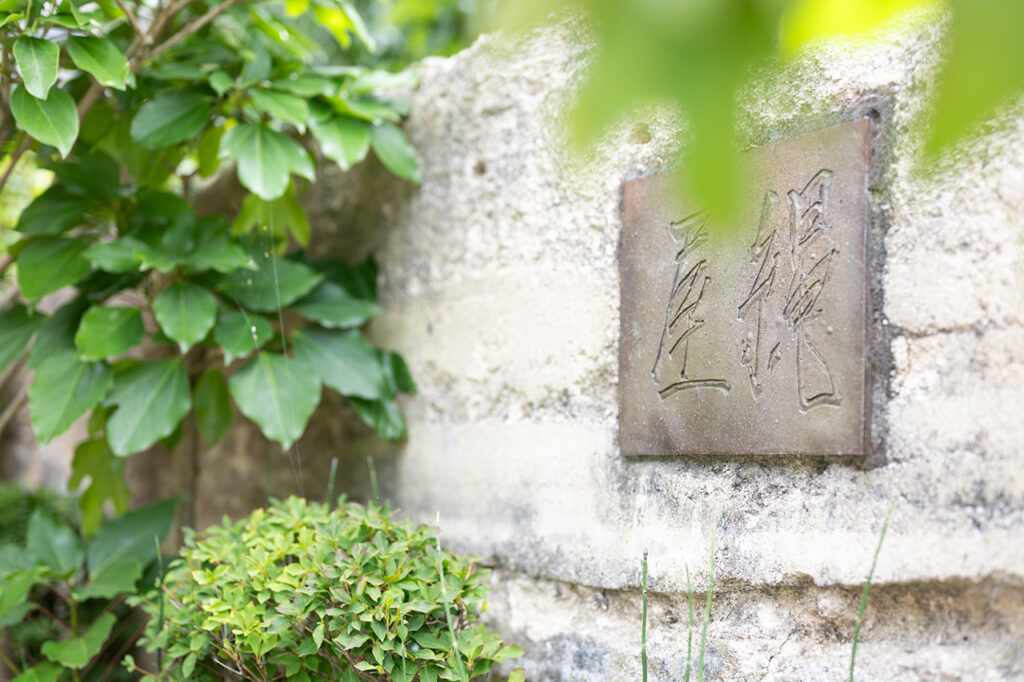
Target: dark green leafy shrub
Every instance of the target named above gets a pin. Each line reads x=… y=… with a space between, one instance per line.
x=301 y=592
x=61 y=595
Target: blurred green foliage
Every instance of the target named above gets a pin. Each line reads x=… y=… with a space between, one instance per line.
x=18 y=504
x=698 y=54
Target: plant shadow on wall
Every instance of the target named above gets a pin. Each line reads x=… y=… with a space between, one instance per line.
x=162 y=317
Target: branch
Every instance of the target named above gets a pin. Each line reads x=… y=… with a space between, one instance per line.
x=159 y=22
x=191 y=28
x=133 y=21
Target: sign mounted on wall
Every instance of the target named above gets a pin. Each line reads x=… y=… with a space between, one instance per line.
x=752 y=340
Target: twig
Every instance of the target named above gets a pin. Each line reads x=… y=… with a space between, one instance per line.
x=133 y=21
x=163 y=16
x=5 y=262
x=15 y=157
x=191 y=28
x=13 y=407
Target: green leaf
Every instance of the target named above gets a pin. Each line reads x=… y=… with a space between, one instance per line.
x=57 y=334
x=396 y=373
x=282 y=213
x=284 y=106
x=114 y=579
x=44 y=672
x=394 y=151
x=278 y=393
x=78 y=651
x=212 y=406
x=94 y=459
x=276 y=282
x=209 y=151
x=14 y=559
x=37 y=60
x=265 y=158
x=135 y=534
x=151 y=398
x=517 y=675
x=53 y=212
x=64 y=389
x=342 y=139
x=221 y=82
x=53 y=544
x=188 y=666
x=49 y=264
x=510 y=651
x=222 y=256
x=101 y=58
x=318 y=635
x=126 y=254
x=307 y=85
x=106 y=331
x=52 y=121
x=186 y=312
x=365 y=108
x=17 y=325
x=985 y=67
x=382 y=415
x=332 y=306
x=343 y=360
x=240 y=334
x=169 y=118
x=90 y=175
x=15 y=591
x=807 y=20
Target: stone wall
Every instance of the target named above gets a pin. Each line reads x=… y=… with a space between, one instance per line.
x=500 y=280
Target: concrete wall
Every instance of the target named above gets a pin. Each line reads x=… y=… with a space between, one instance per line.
x=500 y=281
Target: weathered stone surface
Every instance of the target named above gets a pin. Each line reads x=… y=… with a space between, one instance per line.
x=500 y=281
x=918 y=631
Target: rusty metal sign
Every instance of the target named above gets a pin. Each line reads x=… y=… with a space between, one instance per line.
x=751 y=340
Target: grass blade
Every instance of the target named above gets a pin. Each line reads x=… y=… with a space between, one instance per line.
x=643 y=624
x=707 y=610
x=330 y=482
x=867 y=588
x=689 y=637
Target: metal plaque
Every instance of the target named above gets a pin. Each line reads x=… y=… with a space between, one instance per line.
x=751 y=339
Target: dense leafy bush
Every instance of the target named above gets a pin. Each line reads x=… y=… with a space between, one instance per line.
x=304 y=592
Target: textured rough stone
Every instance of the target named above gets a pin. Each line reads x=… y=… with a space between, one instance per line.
x=500 y=281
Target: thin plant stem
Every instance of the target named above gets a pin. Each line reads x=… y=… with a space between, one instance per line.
x=9 y=663
x=132 y=20
x=643 y=622
x=15 y=157
x=373 y=479
x=330 y=482
x=73 y=608
x=707 y=611
x=13 y=407
x=867 y=588
x=689 y=637
x=191 y=28
x=459 y=668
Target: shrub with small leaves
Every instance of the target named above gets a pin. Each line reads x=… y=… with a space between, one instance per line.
x=299 y=591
